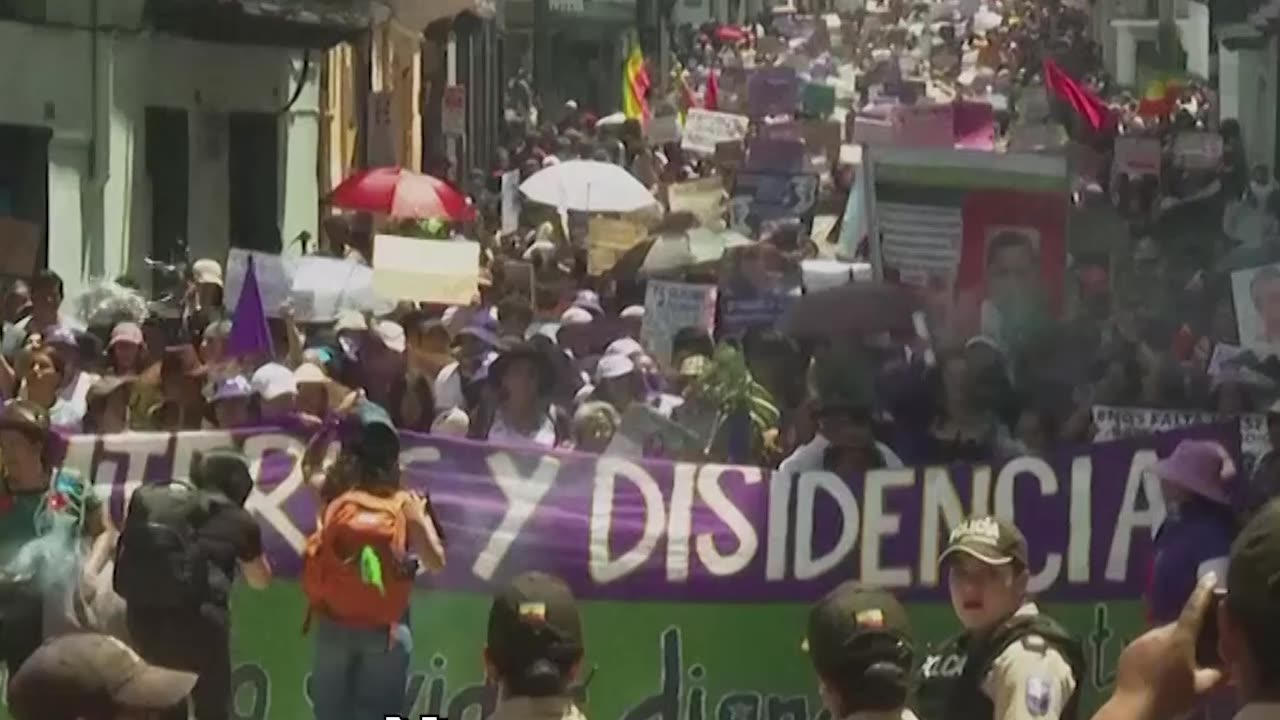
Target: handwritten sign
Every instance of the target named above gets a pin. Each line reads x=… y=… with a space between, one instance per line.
x=672 y=306
x=924 y=125
x=1197 y=150
x=703 y=198
x=608 y=240
x=761 y=197
x=1114 y=423
x=704 y=129
x=1137 y=156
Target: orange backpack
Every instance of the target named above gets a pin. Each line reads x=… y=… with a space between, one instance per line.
x=331 y=573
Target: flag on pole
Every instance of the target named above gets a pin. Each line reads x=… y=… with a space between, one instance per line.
x=1084 y=102
x=635 y=85
x=250 y=334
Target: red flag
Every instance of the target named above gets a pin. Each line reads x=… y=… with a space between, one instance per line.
x=1085 y=103
x=711 y=98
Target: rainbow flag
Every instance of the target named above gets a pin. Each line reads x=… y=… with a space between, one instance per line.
x=635 y=85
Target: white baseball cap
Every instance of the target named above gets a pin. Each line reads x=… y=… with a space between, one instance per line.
x=391 y=334
x=614 y=366
x=273 y=380
x=632 y=311
x=575 y=316
x=309 y=373
x=206 y=271
x=625 y=347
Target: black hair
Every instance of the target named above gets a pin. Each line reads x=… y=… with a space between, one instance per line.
x=515 y=308
x=1007 y=240
x=692 y=341
x=881 y=686
x=543 y=677
x=47 y=278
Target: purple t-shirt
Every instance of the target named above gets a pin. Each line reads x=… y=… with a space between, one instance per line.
x=1199 y=533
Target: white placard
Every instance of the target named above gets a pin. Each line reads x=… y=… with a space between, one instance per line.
x=439 y=271
x=1114 y=423
x=672 y=306
x=511 y=201
x=704 y=128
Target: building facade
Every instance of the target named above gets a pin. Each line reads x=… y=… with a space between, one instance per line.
x=134 y=128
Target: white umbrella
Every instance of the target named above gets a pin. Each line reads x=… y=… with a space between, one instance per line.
x=587 y=186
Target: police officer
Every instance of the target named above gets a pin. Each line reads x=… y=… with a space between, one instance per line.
x=534 y=650
x=859 y=640
x=1010 y=662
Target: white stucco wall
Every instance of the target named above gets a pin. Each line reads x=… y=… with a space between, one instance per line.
x=99 y=225
x=1247 y=87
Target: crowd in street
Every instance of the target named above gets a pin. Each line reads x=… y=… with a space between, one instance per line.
x=1172 y=301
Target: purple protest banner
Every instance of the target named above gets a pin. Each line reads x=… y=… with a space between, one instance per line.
x=619 y=529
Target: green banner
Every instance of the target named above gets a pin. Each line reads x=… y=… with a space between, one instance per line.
x=651 y=660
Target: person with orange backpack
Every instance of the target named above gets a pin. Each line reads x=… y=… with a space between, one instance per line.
x=358 y=573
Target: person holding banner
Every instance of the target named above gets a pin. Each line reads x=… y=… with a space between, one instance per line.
x=1011 y=662
x=859 y=640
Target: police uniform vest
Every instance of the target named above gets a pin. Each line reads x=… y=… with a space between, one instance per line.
x=952 y=675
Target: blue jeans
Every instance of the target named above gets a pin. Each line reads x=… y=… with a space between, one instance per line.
x=359 y=673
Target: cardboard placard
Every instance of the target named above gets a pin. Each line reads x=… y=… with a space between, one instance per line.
x=704 y=198
x=664 y=129
x=608 y=240
x=1137 y=156
x=703 y=129
x=924 y=125
x=437 y=271
x=1198 y=150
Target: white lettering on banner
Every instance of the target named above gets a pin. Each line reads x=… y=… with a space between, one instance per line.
x=1048 y=480
x=878 y=523
x=523 y=494
x=1130 y=517
x=806 y=565
x=186 y=445
x=271 y=505
x=775 y=563
x=709 y=490
x=939 y=499
x=604 y=569
x=680 y=523
x=1114 y=423
x=1079 y=543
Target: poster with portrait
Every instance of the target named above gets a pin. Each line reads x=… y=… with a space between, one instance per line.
x=757 y=284
x=1256 y=295
x=981 y=236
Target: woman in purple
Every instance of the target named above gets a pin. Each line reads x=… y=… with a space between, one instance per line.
x=1194 y=540
x=1196 y=535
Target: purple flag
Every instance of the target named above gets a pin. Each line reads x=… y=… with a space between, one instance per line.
x=249 y=332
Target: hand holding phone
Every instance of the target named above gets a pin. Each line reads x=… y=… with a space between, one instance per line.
x=1207 y=641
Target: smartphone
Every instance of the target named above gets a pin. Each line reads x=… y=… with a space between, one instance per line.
x=1207 y=642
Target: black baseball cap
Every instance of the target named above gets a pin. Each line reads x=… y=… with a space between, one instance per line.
x=1253 y=578
x=855 y=627
x=83 y=674
x=535 y=630
x=990 y=539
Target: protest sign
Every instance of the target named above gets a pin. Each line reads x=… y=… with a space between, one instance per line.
x=608 y=239
x=453 y=111
x=703 y=198
x=733 y=91
x=689 y=554
x=20 y=245
x=939 y=213
x=760 y=197
x=757 y=284
x=730 y=155
x=924 y=125
x=870 y=130
x=273 y=272
x=773 y=91
x=823 y=137
x=670 y=307
x=1256 y=295
x=511 y=201
x=438 y=271
x=324 y=286
x=1115 y=423
x=1137 y=156
x=1197 y=150
x=704 y=129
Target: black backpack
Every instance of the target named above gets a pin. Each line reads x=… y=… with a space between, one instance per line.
x=159 y=563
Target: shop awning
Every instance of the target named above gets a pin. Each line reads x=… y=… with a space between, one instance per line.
x=281 y=23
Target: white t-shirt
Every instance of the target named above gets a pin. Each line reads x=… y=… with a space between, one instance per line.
x=69 y=409
x=544 y=437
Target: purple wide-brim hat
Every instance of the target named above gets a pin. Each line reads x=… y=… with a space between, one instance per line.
x=1200 y=467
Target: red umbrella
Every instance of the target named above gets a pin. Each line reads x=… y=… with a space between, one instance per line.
x=402 y=193
x=730 y=34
